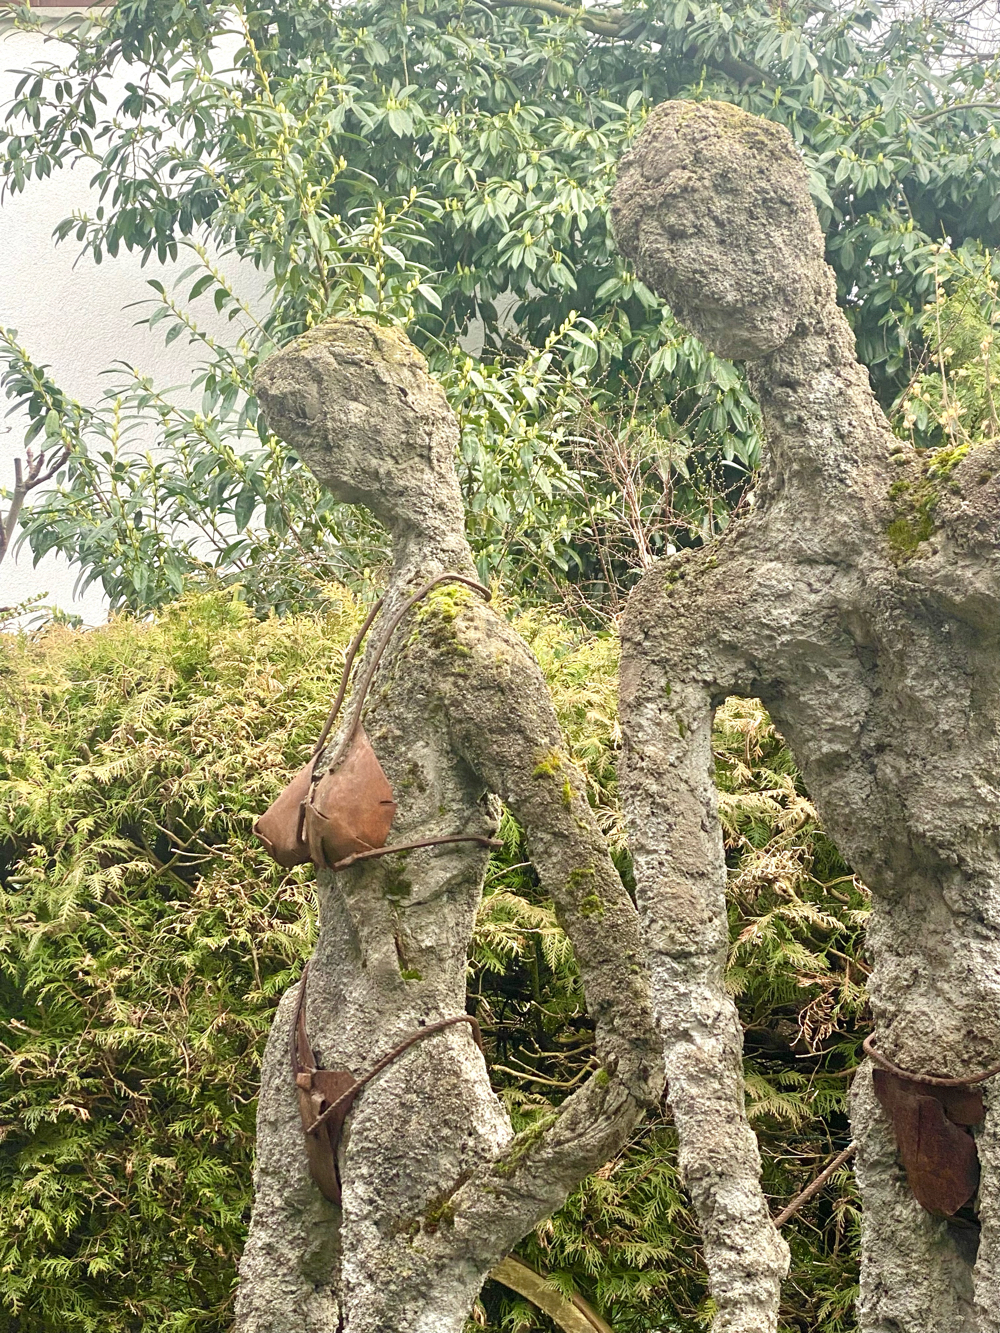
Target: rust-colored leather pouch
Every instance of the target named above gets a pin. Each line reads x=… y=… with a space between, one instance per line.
x=318 y=1090
x=351 y=808
x=345 y=811
x=327 y=1096
x=281 y=827
x=325 y=1102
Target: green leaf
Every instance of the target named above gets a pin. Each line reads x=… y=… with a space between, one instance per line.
x=200 y=286
x=246 y=503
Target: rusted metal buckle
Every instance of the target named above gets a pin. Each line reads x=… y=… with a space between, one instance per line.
x=326 y=1096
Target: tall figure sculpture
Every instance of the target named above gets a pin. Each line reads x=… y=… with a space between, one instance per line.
x=860 y=600
x=432 y=1189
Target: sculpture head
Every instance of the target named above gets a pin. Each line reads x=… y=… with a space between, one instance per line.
x=356 y=403
x=712 y=206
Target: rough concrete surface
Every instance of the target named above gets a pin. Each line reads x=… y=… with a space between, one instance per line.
x=860 y=601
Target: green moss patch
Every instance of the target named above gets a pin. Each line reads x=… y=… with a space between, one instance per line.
x=915 y=502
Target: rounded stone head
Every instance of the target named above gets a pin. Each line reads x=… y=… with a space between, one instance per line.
x=712 y=206
x=357 y=404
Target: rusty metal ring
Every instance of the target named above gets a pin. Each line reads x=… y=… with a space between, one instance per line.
x=932 y=1080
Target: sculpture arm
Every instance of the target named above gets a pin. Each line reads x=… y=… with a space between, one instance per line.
x=503 y=723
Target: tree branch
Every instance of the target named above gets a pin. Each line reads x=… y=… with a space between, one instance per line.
x=610 y=26
x=957 y=106
x=617 y=25
x=22 y=485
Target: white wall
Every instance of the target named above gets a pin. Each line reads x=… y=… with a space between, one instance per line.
x=70 y=315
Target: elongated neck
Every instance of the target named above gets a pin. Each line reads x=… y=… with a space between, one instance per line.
x=418 y=554
x=828 y=442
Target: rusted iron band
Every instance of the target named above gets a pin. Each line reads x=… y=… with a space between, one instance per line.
x=362 y=690
x=492 y=843
x=816 y=1185
x=932 y=1080
x=345 y=676
x=387 y=1060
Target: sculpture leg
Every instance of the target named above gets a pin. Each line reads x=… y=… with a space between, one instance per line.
x=289 y=1274
x=934 y=990
x=680 y=877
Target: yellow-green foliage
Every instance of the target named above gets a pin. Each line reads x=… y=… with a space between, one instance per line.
x=954 y=396
x=582 y=674
x=145 y=938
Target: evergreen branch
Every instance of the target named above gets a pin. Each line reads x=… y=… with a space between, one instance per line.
x=617 y=25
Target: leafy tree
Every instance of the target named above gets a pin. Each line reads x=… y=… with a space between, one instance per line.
x=449 y=165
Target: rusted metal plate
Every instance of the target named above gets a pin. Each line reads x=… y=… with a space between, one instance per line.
x=351 y=809
x=327 y=1086
x=932 y=1134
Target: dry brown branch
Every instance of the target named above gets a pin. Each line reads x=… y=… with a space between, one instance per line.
x=37 y=474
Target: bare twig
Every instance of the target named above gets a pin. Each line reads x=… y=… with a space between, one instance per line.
x=956 y=106
x=816 y=1185
x=37 y=474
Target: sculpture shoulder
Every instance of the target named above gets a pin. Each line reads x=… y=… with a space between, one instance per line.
x=487 y=677
x=468 y=638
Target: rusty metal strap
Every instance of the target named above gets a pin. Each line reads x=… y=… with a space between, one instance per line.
x=932 y=1080
x=366 y=680
x=345 y=677
x=393 y=1055
x=301 y=1047
x=298 y=1040
x=492 y=843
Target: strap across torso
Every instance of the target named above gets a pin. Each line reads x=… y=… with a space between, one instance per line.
x=326 y=1096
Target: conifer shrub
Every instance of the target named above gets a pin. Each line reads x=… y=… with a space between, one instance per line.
x=145 y=938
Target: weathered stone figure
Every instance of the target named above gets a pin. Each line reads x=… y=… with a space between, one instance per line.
x=435 y=1191
x=860 y=600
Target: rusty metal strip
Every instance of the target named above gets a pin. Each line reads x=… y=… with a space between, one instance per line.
x=814 y=1186
x=492 y=843
x=932 y=1080
x=394 y=1055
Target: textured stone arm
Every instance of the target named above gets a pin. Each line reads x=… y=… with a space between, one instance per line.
x=503 y=722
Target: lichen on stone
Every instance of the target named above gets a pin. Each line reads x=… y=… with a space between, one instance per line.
x=915 y=501
x=548 y=765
